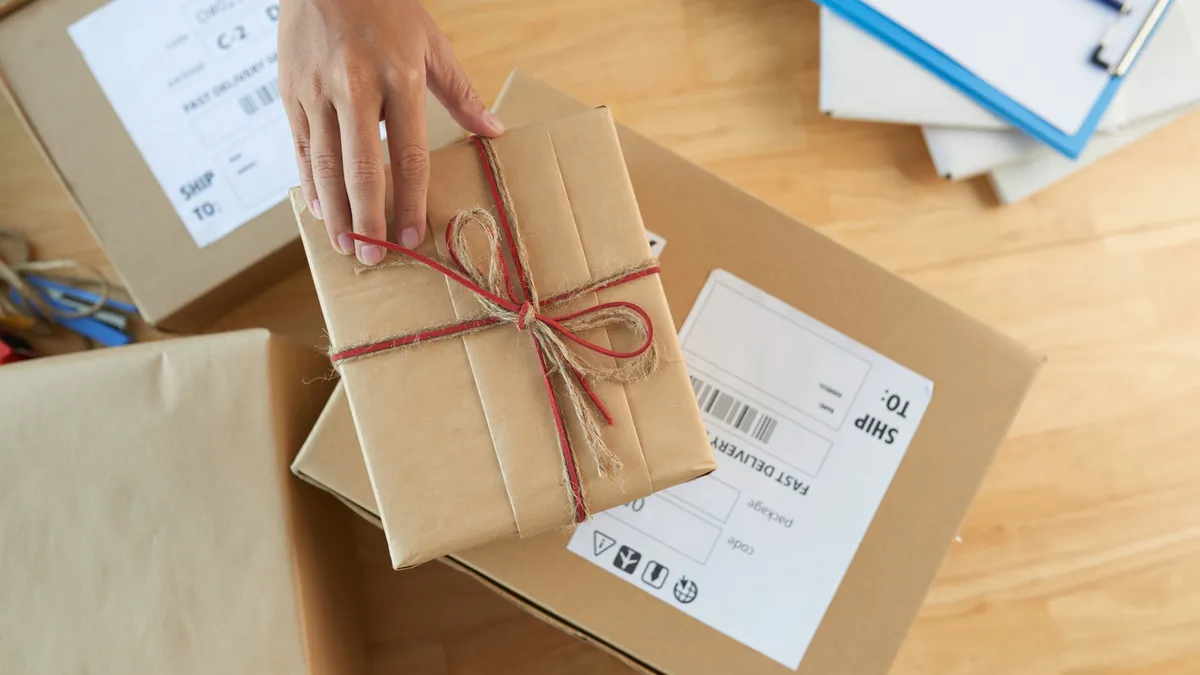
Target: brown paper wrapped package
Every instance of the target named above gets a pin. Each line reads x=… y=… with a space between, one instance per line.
x=981 y=378
x=458 y=435
x=150 y=524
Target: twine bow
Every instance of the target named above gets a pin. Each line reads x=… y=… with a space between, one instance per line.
x=550 y=334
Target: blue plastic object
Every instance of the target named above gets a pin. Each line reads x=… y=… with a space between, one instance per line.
x=884 y=29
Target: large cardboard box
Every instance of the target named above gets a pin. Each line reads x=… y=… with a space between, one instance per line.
x=511 y=414
x=199 y=145
x=150 y=523
x=978 y=379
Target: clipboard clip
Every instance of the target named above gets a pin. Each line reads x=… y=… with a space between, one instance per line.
x=1128 y=34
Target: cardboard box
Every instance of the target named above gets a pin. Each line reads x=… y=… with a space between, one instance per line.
x=980 y=379
x=9 y=6
x=151 y=524
x=177 y=284
x=460 y=435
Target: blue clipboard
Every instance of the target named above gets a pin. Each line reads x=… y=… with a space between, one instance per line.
x=899 y=38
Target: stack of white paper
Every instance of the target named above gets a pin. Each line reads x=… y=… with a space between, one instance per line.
x=862 y=78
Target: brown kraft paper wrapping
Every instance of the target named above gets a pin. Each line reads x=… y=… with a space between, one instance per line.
x=458 y=435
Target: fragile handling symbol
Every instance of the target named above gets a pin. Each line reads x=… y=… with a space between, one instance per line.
x=627 y=560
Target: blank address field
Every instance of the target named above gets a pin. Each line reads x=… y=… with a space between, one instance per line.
x=259 y=170
x=798 y=447
x=708 y=495
x=672 y=526
x=782 y=359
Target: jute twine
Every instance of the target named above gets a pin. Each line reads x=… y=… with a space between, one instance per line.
x=563 y=360
x=494 y=291
x=30 y=303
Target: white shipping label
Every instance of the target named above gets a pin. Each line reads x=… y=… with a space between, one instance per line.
x=657 y=243
x=196 y=85
x=808 y=428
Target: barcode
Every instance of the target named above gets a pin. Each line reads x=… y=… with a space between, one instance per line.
x=260 y=98
x=729 y=409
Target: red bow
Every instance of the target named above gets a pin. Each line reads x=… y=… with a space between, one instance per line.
x=496 y=294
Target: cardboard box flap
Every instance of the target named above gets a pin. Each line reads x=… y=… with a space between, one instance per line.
x=149 y=522
x=569 y=171
x=10 y=6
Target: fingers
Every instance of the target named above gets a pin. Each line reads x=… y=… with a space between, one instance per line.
x=342 y=162
x=365 y=179
x=326 y=166
x=303 y=146
x=404 y=113
x=450 y=85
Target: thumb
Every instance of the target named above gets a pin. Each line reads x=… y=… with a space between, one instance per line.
x=450 y=85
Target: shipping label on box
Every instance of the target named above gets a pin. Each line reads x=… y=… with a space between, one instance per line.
x=196 y=85
x=808 y=427
x=657 y=243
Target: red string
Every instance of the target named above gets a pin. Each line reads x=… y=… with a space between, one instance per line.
x=592 y=395
x=554 y=322
x=451 y=228
x=564 y=441
x=434 y=264
x=522 y=310
x=502 y=212
x=385 y=345
x=562 y=297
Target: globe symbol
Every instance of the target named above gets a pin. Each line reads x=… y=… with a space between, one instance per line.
x=685 y=590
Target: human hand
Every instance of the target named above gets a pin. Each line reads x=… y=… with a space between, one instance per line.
x=346 y=65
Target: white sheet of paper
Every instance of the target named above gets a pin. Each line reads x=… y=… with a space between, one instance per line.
x=1166 y=79
x=863 y=78
x=1021 y=180
x=808 y=427
x=959 y=154
x=1037 y=52
x=195 y=84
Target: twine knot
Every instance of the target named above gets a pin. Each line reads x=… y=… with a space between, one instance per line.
x=523 y=315
x=550 y=334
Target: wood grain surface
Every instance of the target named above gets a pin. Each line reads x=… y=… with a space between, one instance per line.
x=1081 y=555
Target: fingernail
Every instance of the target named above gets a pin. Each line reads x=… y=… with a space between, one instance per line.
x=370 y=254
x=315 y=207
x=410 y=238
x=345 y=244
x=493 y=122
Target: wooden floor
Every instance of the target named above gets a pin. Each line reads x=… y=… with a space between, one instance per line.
x=1081 y=554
